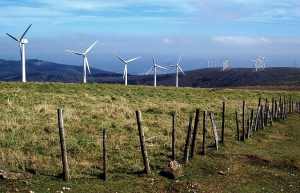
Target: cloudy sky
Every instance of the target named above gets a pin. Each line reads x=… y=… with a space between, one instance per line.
x=198 y=29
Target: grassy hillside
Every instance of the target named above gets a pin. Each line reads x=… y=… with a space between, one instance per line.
x=29 y=139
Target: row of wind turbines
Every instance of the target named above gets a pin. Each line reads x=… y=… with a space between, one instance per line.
x=212 y=62
x=23 y=41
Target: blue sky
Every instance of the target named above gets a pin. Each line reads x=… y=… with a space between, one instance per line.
x=197 y=29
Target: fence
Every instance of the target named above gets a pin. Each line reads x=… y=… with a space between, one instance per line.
x=265 y=115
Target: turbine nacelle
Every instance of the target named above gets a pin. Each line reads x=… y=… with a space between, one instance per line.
x=24 y=41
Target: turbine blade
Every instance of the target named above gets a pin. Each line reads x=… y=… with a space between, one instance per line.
x=13 y=37
x=134 y=59
x=120 y=57
x=179 y=59
x=181 y=70
x=171 y=66
x=153 y=58
x=78 y=53
x=90 y=47
x=87 y=64
x=25 y=32
x=161 y=67
x=149 y=70
x=20 y=45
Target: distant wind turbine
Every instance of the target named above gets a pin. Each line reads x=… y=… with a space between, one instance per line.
x=154 y=67
x=125 y=68
x=85 y=60
x=177 y=66
x=22 y=43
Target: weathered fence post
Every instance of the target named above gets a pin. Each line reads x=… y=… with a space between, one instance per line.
x=248 y=124
x=272 y=123
x=173 y=135
x=188 y=141
x=237 y=125
x=276 y=111
x=142 y=141
x=214 y=130
x=193 y=149
x=204 y=134
x=223 y=123
x=266 y=113
x=243 y=124
x=63 y=145
x=251 y=123
x=280 y=108
x=104 y=155
x=262 y=116
x=272 y=112
x=256 y=128
x=290 y=105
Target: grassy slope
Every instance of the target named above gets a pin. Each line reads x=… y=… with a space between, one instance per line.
x=30 y=143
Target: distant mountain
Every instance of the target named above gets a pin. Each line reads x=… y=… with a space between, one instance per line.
x=232 y=77
x=42 y=71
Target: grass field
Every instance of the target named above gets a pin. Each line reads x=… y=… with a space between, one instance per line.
x=29 y=139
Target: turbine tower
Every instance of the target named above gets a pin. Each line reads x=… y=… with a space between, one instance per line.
x=177 y=66
x=154 y=67
x=22 y=43
x=125 y=68
x=85 y=60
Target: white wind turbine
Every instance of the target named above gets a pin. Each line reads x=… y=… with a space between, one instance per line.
x=85 y=60
x=125 y=68
x=22 y=43
x=154 y=67
x=177 y=66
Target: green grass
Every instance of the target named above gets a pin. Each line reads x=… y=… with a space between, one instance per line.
x=29 y=139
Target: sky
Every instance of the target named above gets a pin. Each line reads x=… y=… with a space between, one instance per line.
x=238 y=30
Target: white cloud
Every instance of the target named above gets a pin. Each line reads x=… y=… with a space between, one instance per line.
x=242 y=40
x=167 y=41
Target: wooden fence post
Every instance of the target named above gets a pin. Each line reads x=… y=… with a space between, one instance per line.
x=272 y=112
x=63 y=145
x=248 y=124
x=142 y=141
x=256 y=128
x=237 y=125
x=214 y=130
x=204 y=134
x=223 y=123
x=275 y=111
x=173 y=135
x=262 y=116
x=280 y=108
x=193 y=149
x=251 y=123
x=266 y=113
x=104 y=155
x=243 y=124
x=188 y=141
x=290 y=105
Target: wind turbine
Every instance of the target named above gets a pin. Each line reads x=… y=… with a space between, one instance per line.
x=154 y=67
x=125 y=68
x=22 y=43
x=177 y=66
x=85 y=60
